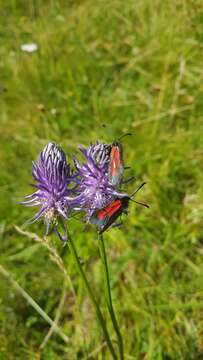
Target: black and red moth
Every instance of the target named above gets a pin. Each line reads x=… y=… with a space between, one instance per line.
x=105 y=217
x=116 y=165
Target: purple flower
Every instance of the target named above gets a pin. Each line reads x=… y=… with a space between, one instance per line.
x=100 y=153
x=52 y=175
x=94 y=188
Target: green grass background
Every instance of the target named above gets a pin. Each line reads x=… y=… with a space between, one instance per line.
x=104 y=68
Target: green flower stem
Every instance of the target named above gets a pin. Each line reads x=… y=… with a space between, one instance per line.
x=92 y=297
x=108 y=295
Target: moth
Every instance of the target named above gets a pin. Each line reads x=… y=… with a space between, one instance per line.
x=116 y=165
x=104 y=218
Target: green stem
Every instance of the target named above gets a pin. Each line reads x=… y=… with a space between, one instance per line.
x=108 y=295
x=92 y=297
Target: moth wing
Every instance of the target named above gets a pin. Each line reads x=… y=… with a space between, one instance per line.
x=116 y=165
x=102 y=217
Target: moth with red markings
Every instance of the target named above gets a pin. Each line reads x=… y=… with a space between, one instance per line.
x=116 y=165
x=105 y=217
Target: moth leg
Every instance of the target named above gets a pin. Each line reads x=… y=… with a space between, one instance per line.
x=119 y=224
x=127 y=181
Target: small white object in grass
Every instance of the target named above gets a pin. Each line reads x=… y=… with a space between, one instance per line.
x=53 y=112
x=29 y=47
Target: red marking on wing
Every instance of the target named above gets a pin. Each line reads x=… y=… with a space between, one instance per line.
x=110 y=210
x=115 y=160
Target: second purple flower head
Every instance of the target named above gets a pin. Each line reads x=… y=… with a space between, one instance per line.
x=94 y=190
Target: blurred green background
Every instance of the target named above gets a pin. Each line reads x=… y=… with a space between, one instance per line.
x=103 y=68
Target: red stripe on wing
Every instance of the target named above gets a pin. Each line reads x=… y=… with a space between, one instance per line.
x=115 y=162
x=110 y=210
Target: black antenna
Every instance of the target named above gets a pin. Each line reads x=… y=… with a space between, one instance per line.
x=133 y=194
x=138 y=202
x=127 y=134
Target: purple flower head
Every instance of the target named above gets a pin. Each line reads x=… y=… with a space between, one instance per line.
x=100 y=153
x=94 y=189
x=52 y=175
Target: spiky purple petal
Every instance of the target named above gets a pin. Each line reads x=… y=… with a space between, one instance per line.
x=52 y=175
x=94 y=189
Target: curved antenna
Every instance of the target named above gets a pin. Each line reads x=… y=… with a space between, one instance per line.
x=140 y=203
x=133 y=194
x=122 y=136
